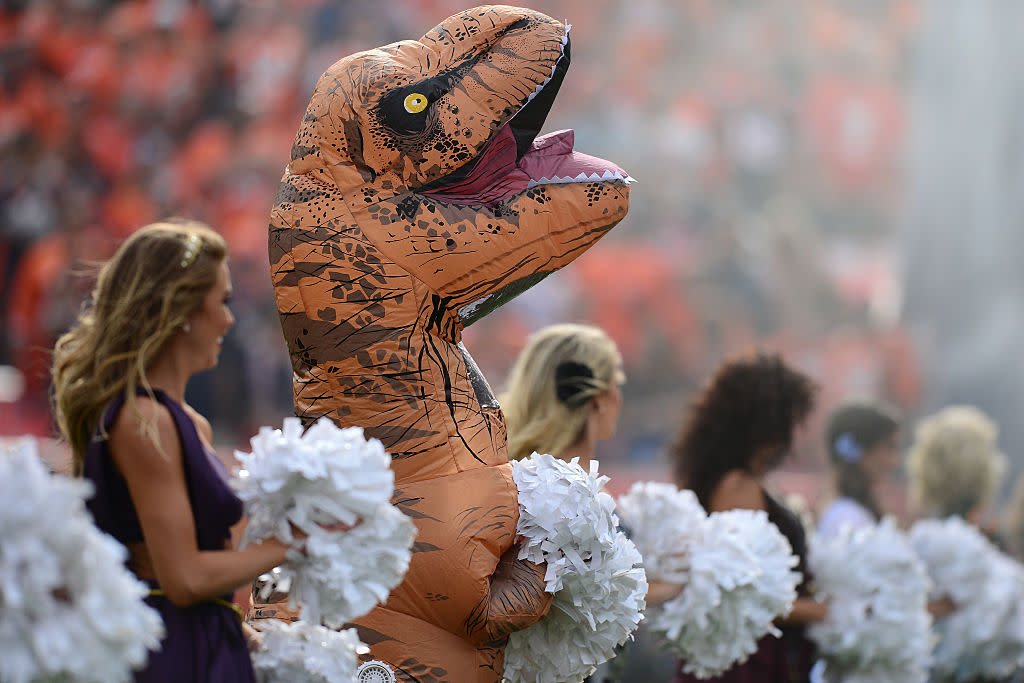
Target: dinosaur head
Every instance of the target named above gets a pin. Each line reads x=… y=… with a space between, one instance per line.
x=436 y=141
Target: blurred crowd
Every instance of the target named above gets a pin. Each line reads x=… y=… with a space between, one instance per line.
x=766 y=137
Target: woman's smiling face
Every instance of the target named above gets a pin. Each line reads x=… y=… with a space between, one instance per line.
x=212 y=321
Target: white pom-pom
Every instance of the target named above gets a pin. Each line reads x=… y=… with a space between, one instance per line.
x=567 y=521
x=983 y=638
x=665 y=524
x=68 y=606
x=306 y=652
x=878 y=626
x=956 y=556
x=565 y=517
x=321 y=478
x=738 y=579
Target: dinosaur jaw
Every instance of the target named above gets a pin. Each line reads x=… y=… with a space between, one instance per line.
x=515 y=159
x=498 y=175
x=552 y=160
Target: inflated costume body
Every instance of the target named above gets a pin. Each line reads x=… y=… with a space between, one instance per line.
x=417 y=200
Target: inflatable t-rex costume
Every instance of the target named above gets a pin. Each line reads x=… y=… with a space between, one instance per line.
x=417 y=200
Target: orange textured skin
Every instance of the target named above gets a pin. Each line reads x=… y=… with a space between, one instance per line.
x=374 y=283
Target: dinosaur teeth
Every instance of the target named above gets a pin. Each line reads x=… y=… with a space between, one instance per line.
x=583 y=177
x=565 y=41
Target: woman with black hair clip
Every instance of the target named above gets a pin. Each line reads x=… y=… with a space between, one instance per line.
x=862 y=438
x=740 y=428
x=564 y=396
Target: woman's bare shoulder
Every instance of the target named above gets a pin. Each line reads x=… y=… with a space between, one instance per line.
x=133 y=430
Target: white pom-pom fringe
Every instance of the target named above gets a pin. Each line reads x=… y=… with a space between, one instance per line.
x=878 y=626
x=567 y=521
x=736 y=568
x=565 y=518
x=315 y=480
x=306 y=652
x=665 y=523
x=983 y=638
x=68 y=606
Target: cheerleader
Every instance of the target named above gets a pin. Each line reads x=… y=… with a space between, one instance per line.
x=158 y=314
x=862 y=439
x=564 y=395
x=740 y=429
x=954 y=464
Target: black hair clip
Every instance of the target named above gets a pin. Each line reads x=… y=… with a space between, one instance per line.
x=572 y=380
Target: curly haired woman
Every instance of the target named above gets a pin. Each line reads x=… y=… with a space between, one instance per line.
x=739 y=429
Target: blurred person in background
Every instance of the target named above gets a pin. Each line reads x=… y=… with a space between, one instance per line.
x=158 y=315
x=1013 y=520
x=739 y=429
x=862 y=438
x=564 y=393
x=564 y=396
x=955 y=465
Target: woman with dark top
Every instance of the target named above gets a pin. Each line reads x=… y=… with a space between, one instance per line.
x=158 y=315
x=739 y=429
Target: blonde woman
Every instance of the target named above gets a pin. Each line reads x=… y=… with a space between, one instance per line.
x=564 y=396
x=564 y=393
x=158 y=314
x=954 y=463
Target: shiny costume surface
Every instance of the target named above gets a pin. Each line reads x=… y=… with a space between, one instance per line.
x=408 y=210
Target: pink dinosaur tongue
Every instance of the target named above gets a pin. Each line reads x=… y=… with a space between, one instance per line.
x=552 y=157
x=493 y=178
x=496 y=176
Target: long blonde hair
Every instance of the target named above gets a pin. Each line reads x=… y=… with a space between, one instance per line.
x=546 y=404
x=143 y=296
x=954 y=463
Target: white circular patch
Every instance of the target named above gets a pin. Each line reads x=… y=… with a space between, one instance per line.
x=375 y=672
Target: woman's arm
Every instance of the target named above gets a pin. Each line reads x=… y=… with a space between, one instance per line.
x=660 y=591
x=158 y=489
x=806 y=611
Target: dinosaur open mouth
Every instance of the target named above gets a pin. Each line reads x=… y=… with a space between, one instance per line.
x=515 y=159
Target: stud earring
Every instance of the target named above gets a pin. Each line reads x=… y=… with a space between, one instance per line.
x=187 y=327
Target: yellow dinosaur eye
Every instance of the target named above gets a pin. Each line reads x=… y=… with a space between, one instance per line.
x=415 y=103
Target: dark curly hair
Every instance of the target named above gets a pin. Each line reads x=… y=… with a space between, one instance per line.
x=753 y=401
